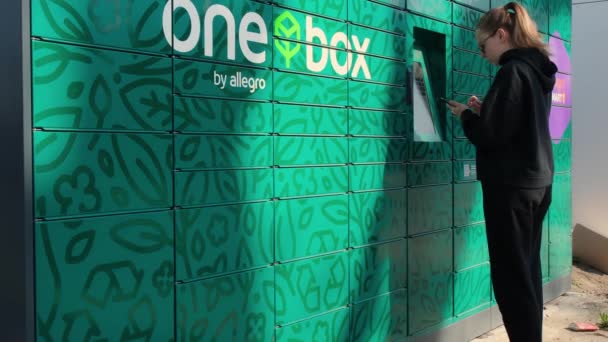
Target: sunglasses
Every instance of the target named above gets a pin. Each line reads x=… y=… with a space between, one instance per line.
x=482 y=45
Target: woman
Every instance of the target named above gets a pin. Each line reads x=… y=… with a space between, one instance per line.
x=510 y=131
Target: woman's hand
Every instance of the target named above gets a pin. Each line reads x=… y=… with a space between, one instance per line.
x=457 y=108
x=474 y=104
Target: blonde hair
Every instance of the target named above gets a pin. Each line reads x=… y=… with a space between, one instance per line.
x=514 y=18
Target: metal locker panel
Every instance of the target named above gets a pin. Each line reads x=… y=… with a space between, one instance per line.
x=377 y=270
x=429 y=209
x=383 y=318
x=562 y=154
x=470 y=246
x=373 y=96
x=333 y=326
x=222 y=239
x=376 y=15
x=482 y=5
x=309 y=90
x=306 y=227
x=134 y=26
x=376 y=123
x=94 y=173
x=471 y=84
x=433 y=173
x=302 y=151
x=208 y=152
x=560 y=19
x=377 y=150
x=377 y=177
x=196 y=188
x=560 y=211
x=110 y=275
x=465 y=16
x=310 y=287
x=430 y=280
x=337 y=9
x=470 y=62
x=437 y=9
x=468 y=204
x=84 y=88
x=310 y=120
x=311 y=181
x=464 y=39
x=539 y=12
x=208 y=115
x=219 y=308
x=377 y=216
x=471 y=289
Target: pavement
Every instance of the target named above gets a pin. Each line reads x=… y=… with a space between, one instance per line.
x=559 y=313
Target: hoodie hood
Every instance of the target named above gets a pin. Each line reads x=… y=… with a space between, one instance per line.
x=543 y=68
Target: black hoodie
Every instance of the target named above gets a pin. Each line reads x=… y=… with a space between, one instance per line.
x=511 y=133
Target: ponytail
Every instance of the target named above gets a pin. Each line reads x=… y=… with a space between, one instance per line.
x=514 y=18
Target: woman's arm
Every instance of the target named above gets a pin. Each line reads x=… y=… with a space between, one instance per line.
x=501 y=113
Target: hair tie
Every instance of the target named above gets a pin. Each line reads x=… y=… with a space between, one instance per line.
x=510 y=10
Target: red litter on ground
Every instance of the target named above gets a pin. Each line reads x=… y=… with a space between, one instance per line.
x=582 y=327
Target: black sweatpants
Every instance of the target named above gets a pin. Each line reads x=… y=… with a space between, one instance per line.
x=514 y=218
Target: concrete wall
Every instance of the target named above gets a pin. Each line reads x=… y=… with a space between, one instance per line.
x=589 y=165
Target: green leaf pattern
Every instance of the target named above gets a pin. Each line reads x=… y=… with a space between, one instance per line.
x=105 y=278
x=172 y=207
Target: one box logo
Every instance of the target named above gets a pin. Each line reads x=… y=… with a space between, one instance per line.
x=285 y=26
x=245 y=36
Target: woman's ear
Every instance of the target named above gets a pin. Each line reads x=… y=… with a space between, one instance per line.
x=502 y=34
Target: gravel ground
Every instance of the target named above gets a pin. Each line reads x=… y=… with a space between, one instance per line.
x=583 y=303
